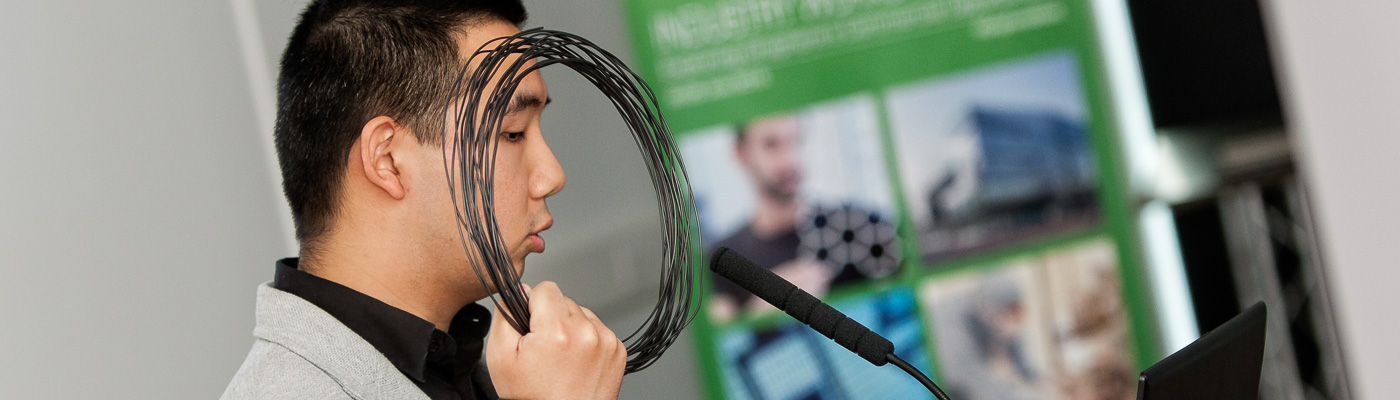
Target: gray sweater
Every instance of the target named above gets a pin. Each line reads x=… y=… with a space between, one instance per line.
x=302 y=352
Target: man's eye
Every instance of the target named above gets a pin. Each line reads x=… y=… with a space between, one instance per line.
x=514 y=136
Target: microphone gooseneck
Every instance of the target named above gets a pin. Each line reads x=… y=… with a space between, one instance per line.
x=808 y=310
x=801 y=305
x=914 y=372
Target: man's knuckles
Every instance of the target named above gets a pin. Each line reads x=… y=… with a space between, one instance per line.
x=550 y=293
x=546 y=287
x=614 y=350
x=569 y=338
x=605 y=344
x=620 y=355
x=587 y=336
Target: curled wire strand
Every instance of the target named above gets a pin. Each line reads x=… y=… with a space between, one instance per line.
x=477 y=113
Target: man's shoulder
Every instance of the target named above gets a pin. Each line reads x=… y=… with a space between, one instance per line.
x=737 y=240
x=302 y=352
x=274 y=372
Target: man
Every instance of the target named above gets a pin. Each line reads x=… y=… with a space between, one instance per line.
x=769 y=151
x=380 y=305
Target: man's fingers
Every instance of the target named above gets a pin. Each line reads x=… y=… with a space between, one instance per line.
x=588 y=313
x=575 y=310
x=612 y=374
x=498 y=320
x=546 y=305
x=501 y=330
x=605 y=335
x=563 y=334
x=613 y=355
x=597 y=323
x=502 y=341
x=613 y=351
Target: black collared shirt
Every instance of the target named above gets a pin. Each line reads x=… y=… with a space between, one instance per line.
x=445 y=365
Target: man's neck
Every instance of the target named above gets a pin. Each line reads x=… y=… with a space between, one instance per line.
x=774 y=216
x=381 y=273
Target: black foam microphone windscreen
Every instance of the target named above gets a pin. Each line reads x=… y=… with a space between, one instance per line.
x=801 y=305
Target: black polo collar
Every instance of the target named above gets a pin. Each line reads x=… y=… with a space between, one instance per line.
x=428 y=356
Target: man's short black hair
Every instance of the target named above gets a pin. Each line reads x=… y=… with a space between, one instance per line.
x=350 y=61
x=741 y=129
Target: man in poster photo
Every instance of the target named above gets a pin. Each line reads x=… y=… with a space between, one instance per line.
x=769 y=151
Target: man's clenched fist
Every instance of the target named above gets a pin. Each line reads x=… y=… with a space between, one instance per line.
x=568 y=354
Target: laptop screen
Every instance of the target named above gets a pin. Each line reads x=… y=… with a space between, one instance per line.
x=1223 y=364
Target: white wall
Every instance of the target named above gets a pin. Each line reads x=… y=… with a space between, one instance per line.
x=1341 y=79
x=136 y=211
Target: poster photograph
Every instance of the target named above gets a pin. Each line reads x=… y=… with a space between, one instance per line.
x=957 y=151
x=1050 y=326
x=995 y=155
x=790 y=361
x=803 y=193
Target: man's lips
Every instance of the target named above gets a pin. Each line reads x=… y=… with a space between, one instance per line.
x=537 y=242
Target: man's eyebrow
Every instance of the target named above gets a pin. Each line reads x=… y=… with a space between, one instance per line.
x=526 y=100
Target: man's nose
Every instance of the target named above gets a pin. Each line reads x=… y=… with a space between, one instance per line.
x=547 y=176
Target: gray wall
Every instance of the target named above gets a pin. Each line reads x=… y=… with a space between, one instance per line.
x=136 y=210
x=141 y=207
x=1341 y=79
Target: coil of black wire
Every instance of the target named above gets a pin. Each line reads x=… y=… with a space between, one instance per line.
x=481 y=97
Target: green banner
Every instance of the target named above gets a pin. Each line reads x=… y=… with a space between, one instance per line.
x=944 y=171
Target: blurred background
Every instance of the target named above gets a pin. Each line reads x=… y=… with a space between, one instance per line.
x=1209 y=154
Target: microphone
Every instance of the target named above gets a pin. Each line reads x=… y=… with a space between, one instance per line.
x=801 y=305
x=808 y=310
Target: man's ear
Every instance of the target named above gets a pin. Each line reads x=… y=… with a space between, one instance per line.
x=377 y=154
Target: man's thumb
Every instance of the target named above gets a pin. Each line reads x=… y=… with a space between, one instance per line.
x=502 y=335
